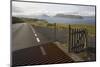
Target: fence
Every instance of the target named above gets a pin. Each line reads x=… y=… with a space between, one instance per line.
x=77 y=39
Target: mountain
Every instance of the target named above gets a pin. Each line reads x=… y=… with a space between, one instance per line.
x=68 y=16
x=43 y=15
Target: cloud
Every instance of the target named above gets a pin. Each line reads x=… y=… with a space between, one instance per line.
x=16 y=9
x=31 y=9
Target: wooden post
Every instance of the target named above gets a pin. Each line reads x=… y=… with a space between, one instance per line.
x=69 y=48
x=55 y=31
x=76 y=39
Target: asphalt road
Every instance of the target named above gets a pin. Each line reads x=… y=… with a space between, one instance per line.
x=32 y=45
x=24 y=36
x=53 y=34
x=21 y=38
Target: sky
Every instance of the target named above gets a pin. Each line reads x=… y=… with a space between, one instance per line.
x=28 y=9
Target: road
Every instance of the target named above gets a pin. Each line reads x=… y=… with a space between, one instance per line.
x=30 y=45
x=33 y=45
x=24 y=36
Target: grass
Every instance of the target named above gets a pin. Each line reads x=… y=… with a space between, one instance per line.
x=59 y=26
x=90 y=28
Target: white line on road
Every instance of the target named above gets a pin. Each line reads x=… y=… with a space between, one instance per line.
x=35 y=34
x=32 y=29
x=38 y=40
x=42 y=50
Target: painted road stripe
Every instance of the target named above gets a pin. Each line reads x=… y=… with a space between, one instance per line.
x=32 y=29
x=42 y=50
x=35 y=34
x=38 y=40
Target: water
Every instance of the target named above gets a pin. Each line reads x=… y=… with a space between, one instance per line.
x=84 y=20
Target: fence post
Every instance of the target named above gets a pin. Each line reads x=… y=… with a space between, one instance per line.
x=69 y=48
x=55 y=31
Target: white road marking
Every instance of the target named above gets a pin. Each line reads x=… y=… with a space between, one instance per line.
x=32 y=29
x=38 y=40
x=35 y=34
x=42 y=50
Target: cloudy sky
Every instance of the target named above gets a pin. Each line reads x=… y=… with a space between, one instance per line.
x=33 y=9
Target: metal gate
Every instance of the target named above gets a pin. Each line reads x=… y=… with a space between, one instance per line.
x=77 y=39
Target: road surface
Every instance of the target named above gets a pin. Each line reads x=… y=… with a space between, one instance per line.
x=31 y=46
x=24 y=36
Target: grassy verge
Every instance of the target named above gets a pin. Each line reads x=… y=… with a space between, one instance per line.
x=59 y=26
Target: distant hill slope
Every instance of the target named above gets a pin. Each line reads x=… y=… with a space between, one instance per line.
x=68 y=16
x=17 y=20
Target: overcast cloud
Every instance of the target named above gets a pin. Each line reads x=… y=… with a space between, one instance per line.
x=33 y=9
